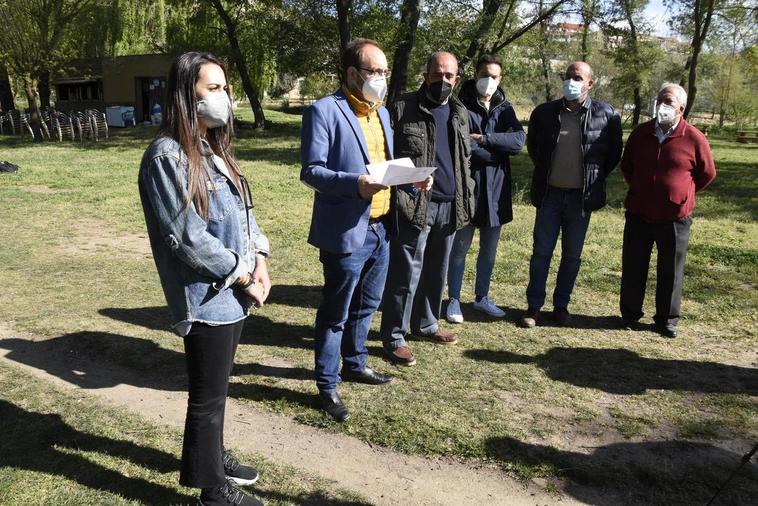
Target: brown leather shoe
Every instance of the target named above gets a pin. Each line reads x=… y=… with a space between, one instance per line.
x=400 y=356
x=441 y=337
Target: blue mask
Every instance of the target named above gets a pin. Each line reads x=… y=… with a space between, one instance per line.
x=572 y=90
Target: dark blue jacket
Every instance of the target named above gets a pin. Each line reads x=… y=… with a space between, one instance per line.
x=502 y=136
x=601 y=147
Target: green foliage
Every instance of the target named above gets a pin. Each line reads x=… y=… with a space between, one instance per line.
x=283 y=40
x=319 y=84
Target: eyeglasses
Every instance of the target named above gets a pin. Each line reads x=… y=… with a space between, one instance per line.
x=439 y=75
x=377 y=72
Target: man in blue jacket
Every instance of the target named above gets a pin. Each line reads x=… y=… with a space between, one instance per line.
x=495 y=135
x=341 y=134
x=574 y=143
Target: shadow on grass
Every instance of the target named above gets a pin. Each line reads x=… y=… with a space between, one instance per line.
x=42 y=442
x=94 y=360
x=272 y=371
x=666 y=472
x=514 y=315
x=267 y=393
x=258 y=329
x=620 y=371
x=87 y=359
x=271 y=155
x=312 y=499
x=295 y=296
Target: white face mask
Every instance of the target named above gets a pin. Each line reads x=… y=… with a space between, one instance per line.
x=214 y=109
x=374 y=89
x=486 y=86
x=666 y=114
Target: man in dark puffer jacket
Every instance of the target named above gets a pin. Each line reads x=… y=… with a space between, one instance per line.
x=574 y=143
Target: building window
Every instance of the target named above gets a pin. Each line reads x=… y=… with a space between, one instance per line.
x=80 y=92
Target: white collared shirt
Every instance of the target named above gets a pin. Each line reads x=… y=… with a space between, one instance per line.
x=662 y=136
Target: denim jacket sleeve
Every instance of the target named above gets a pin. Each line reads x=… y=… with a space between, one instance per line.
x=182 y=228
x=259 y=241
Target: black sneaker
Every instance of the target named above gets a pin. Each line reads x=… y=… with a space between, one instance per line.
x=237 y=473
x=561 y=316
x=667 y=330
x=226 y=495
x=630 y=324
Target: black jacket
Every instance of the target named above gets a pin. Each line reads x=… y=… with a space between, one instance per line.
x=601 y=147
x=414 y=135
x=502 y=136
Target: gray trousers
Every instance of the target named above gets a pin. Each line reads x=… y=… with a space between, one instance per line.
x=416 y=278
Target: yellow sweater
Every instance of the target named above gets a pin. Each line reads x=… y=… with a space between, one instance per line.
x=368 y=118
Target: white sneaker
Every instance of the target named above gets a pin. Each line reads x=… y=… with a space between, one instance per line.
x=488 y=307
x=454 y=314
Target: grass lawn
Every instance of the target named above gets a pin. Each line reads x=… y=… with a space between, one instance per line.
x=66 y=449
x=647 y=419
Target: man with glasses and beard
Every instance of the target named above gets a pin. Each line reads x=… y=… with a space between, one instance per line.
x=341 y=134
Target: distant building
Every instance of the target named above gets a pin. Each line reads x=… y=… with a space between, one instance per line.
x=138 y=81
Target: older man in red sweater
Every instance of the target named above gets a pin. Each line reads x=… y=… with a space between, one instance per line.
x=666 y=161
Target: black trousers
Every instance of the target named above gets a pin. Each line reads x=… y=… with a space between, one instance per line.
x=209 y=351
x=670 y=238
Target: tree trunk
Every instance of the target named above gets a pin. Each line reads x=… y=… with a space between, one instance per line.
x=585 y=52
x=34 y=116
x=635 y=50
x=411 y=12
x=544 y=59
x=702 y=14
x=241 y=64
x=343 y=21
x=44 y=88
x=588 y=15
x=727 y=88
x=7 y=102
x=697 y=47
x=487 y=18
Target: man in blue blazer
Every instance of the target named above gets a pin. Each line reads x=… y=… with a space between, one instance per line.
x=341 y=134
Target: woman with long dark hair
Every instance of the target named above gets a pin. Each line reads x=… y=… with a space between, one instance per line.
x=211 y=260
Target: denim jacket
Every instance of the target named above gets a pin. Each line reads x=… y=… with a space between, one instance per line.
x=198 y=261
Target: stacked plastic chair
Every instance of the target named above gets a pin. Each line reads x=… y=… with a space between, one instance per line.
x=99 y=123
x=62 y=127
x=83 y=124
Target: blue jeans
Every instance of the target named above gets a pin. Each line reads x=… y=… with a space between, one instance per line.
x=353 y=285
x=561 y=212
x=485 y=261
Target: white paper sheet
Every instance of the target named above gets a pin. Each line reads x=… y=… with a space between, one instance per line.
x=400 y=171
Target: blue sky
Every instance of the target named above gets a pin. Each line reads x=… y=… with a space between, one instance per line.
x=656 y=14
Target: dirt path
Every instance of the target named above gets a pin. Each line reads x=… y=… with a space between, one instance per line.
x=383 y=476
